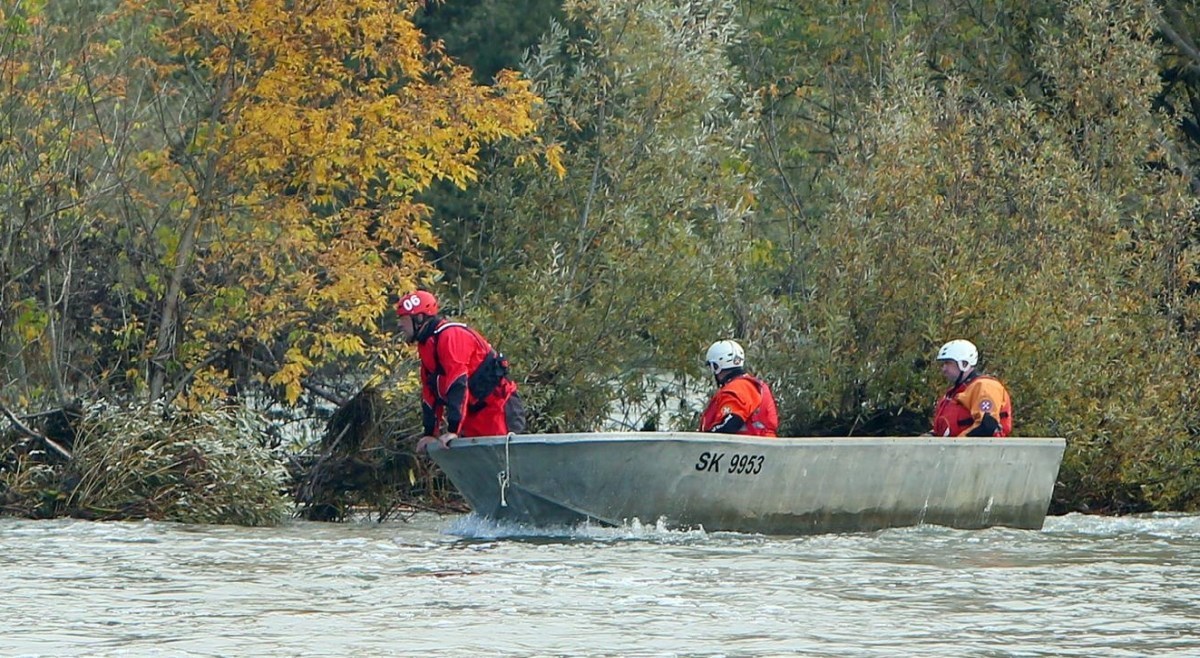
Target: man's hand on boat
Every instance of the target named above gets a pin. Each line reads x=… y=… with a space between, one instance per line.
x=423 y=444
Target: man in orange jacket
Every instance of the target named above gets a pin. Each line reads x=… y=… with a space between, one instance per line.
x=743 y=404
x=465 y=388
x=975 y=404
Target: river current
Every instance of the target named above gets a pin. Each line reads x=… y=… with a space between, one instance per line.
x=461 y=586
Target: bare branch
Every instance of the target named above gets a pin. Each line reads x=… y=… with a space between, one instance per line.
x=1184 y=45
x=32 y=433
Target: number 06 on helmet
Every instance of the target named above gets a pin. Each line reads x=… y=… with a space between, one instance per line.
x=418 y=302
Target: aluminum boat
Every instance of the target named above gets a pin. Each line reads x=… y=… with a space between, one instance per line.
x=787 y=486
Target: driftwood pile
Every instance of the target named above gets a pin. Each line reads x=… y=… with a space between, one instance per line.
x=365 y=464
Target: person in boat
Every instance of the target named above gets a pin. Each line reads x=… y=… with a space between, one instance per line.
x=743 y=404
x=975 y=404
x=465 y=387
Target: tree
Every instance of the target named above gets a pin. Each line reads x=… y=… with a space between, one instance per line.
x=208 y=194
x=64 y=149
x=294 y=136
x=1053 y=230
x=604 y=277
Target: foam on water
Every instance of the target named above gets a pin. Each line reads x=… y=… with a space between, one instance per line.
x=473 y=526
x=1158 y=524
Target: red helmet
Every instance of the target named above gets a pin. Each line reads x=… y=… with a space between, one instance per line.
x=417 y=303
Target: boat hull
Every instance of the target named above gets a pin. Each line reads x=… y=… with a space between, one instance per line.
x=746 y=484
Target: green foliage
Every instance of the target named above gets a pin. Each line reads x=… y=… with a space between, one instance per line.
x=816 y=64
x=597 y=280
x=487 y=35
x=1048 y=229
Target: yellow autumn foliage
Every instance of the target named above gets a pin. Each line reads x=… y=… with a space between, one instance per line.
x=303 y=131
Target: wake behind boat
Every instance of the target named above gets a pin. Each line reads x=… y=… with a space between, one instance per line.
x=747 y=484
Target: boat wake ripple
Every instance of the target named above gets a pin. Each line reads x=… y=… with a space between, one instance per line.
x=472 y=526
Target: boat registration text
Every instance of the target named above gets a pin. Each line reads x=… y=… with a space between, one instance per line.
x=711 y=462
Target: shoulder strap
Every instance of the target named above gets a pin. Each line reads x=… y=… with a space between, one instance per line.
x=448 y=325
x=453 y=325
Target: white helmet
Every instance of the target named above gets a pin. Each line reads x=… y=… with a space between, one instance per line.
x=960 y=351
x=725 y=354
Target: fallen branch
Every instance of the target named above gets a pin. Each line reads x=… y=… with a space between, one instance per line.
x=32 y=433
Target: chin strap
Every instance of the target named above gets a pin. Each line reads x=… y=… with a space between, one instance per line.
x=963 y=375
x=727 y=374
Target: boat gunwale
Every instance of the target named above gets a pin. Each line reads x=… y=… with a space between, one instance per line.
x=699 y=437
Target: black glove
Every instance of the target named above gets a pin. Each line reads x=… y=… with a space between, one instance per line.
x=987 y=427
